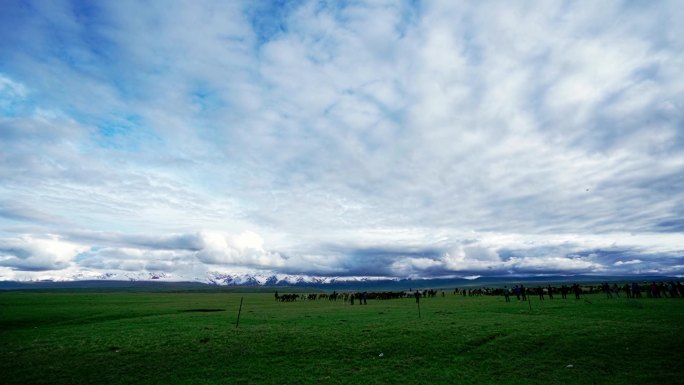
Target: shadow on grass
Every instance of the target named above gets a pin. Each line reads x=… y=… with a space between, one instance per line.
x=200 y=310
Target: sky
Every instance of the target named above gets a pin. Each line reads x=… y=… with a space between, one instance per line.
x=400 y=139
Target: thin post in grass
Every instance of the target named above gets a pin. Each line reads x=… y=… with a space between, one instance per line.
x=239 y=311
x=418 y=309
x=417 y=295
x=529 y=302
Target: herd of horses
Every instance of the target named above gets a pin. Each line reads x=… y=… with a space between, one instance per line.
x=347 y=297
x=652 y=290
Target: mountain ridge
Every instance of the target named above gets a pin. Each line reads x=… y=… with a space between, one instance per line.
x=249 y=281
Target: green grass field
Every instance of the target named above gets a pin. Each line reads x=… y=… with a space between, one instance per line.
x=82 y=337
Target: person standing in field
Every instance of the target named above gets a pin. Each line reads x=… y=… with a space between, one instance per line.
x=516 y=291
x=523 y=292
x=550 y=289
x=507 y=294
x=578 y=291
x=540 y=291
x=564 y=292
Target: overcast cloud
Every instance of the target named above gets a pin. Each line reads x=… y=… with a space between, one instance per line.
x=381 y=138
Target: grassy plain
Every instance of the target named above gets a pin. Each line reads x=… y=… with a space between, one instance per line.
x=85 y=337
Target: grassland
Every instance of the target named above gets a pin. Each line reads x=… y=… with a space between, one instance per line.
x=82 y=337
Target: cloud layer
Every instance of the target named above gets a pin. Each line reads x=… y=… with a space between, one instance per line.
x=362 y=139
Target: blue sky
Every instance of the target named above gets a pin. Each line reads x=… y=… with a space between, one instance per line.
x=381 y=138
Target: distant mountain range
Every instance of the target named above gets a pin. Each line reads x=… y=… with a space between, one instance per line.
x=246 y=281
x=216 y=278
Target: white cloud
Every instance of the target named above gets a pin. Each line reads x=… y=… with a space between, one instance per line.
x=409 y=266
x=399 y=254
x=245 y=249
x=371 y=137
x=630 y=262
x=27 y=252
x=471 y=259
x=556 y=264
x=11 y=93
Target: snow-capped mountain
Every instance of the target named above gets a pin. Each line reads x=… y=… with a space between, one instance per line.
x=212 y=278
x=122 y=276
x=280 y=279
